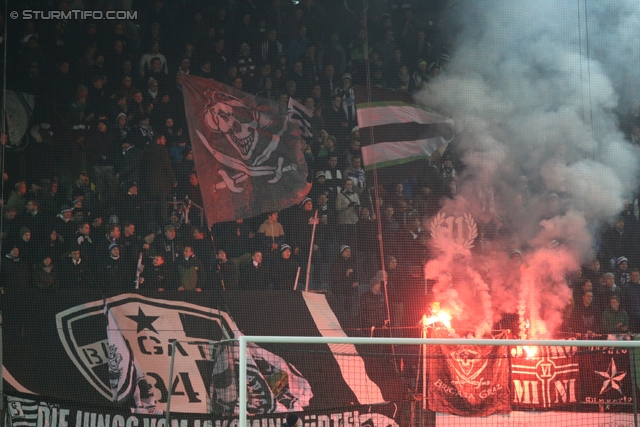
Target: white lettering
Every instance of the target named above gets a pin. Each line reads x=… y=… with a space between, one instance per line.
x=525 y=392
x=43 y=416
x=118 y=421
x=103 y=421
x=336 y=418
x=566 y=390
x=63 y=418
x=324 y=421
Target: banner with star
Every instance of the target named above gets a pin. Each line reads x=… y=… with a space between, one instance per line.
x=120 y=357
x=65 y=346
x=126 y=378
x=605 y=374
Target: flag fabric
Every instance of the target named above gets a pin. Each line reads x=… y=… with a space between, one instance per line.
x=126 y=378
x=19 y=108
x=47 y=412
x=314 y=379
x=397 y=135
x=285 y=391
x=23 y=412
x=468 y=380
x=346 y=375
x=386 y=154
x=290 y=390
x=299 y=114
x=549 y=379
x=606 y=376
x=390 y=112
x=248 y=155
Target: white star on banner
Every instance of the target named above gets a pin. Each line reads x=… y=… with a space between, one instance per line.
x=611 y=378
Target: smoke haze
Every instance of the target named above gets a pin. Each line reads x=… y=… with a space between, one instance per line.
x=534 y=88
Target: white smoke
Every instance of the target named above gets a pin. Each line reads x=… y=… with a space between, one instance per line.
x=534 y=88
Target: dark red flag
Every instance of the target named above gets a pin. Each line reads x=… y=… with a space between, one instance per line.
x=544 y=377
x=469 y=380
x=248 y=156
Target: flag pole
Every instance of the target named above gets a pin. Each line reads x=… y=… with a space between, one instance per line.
x=313 y=235
x=295 y=285
x=424 y=364
x=167 y=420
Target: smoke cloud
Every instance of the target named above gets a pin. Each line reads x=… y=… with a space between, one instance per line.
x=534 y=88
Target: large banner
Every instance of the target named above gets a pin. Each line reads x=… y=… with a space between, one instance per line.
x=544 y=377
x=25 y=412
x=469 y=380
x=248 y=154
x=532 y=418
x=65 y=347
x=606 y=376
x=68 y=350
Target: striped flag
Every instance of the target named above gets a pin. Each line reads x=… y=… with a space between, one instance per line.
x=395 y=131
x=299 y=114
x=23 y=412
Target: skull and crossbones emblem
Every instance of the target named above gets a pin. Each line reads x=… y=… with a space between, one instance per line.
x=241 y=125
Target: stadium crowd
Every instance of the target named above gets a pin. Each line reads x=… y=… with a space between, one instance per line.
x=104 y=191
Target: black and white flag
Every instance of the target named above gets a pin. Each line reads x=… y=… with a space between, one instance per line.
x=299 y=114
x=126 y=377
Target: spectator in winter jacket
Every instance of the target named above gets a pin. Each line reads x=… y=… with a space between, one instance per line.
x=253 y=275
x=271 y=233
x=272 y=49
x=45 y=274
x=159 y=276
x=614 y=319
x=373 y=311
x=189 y=271
x=284 y=269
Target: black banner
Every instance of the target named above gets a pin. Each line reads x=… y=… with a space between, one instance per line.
x=56 y=345
x=24 y=412
x=606 y=376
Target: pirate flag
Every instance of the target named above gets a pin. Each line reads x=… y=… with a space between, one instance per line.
x=248 y=155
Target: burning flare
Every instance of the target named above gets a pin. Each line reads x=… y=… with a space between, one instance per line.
x=437 y=316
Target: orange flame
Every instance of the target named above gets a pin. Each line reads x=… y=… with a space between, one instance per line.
x=437 y=315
